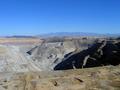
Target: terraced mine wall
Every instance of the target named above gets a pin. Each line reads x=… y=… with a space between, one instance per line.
x=62 y=55
x=49 y=54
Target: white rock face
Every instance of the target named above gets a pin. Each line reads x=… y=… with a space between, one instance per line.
x=11 y=59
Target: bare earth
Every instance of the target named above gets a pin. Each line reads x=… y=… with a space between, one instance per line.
x=100 y=78
x=19 y=41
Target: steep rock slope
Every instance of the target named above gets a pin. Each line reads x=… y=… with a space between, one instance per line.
x=11 y=59
x=47 y=55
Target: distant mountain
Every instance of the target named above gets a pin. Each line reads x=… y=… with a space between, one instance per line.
x=64 y=34
x=72 y=34
x=20 y=36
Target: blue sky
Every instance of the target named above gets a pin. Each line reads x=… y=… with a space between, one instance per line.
x=33 y=17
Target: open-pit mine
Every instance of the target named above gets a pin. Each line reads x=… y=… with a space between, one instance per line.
x=60 y=63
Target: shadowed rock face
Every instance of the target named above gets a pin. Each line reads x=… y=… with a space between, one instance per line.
x=76 y=59
x=104 y=53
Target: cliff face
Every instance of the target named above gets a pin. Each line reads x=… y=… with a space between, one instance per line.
x=99 y=54
x=76 y=54
x=47 y=55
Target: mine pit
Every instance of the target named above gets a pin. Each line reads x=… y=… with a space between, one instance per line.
x=71 y=55
x=50 y=55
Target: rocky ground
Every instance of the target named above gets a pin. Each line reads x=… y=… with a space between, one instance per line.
x=99 y=78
